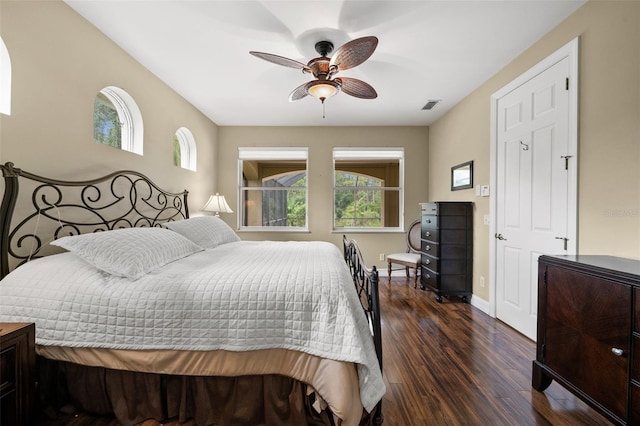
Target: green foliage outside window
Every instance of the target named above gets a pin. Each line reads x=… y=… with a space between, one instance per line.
x=177 y=154
x=358 y=201
x=285 y=207
x=297 y=204
x=106 y=124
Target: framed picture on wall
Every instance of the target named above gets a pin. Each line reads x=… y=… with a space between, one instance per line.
x=462 y=176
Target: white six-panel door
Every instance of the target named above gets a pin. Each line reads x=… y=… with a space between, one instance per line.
x=533 y=189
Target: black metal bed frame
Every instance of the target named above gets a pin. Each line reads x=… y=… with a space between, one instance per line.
x=366 y=282
x=122 y=199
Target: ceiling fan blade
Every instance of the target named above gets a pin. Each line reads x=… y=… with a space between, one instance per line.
x=298 y=93
x=357 y=88
x=354 y=52
x=281 y=60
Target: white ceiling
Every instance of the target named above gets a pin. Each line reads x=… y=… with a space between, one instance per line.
x=427 y=50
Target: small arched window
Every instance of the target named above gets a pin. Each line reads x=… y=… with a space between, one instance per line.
x=5 y=79
x=117 y=120
x=184 y=149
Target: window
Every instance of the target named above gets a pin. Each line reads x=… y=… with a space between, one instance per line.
x=117 y=121
x=368 y=188
x=184 y=149
x=5 y=79
x=273 y=188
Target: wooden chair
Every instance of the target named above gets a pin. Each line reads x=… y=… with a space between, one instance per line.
x=411 y=258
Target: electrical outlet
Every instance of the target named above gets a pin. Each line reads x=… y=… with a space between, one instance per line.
x=381 y=256
x=481 y=282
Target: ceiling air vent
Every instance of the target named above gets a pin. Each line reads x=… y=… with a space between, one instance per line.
x=430 y=104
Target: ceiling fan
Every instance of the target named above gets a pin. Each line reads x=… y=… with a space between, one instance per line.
x=323 y=68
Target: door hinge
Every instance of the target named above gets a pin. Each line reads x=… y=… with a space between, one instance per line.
x=566 y=83
x=566 y=161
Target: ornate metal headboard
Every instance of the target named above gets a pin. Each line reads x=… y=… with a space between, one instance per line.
x=45 y=209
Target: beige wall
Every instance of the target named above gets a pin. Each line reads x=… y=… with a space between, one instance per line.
x=609 y=132
x=59 y=63
x=320 y=141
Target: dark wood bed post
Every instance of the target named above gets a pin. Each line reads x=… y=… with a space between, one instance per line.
x=366 y=283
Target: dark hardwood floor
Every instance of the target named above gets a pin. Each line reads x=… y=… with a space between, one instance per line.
x=450 y=364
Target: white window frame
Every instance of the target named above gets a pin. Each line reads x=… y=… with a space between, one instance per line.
x=188 y=150
x=364 y=154
x=5 y=79
x=130 y=118
x=284 y=154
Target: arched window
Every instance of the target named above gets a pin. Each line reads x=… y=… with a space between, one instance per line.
x=5 y=79
x=184 y=149
x=117 y=120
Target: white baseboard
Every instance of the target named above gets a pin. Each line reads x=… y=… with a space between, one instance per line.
x=479 y=303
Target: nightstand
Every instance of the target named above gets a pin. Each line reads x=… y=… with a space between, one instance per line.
x=17 y=372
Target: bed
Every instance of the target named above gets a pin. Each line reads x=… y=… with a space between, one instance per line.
x=142 y=311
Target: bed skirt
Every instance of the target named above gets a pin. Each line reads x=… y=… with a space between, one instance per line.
x=133 y=397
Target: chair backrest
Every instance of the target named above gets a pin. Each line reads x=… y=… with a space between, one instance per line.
x=413 y=237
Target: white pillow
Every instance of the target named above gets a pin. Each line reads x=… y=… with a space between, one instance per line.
x=130 y=252
x=205 y=231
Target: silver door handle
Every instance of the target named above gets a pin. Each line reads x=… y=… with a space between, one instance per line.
x=617 y=351
x=500 y=237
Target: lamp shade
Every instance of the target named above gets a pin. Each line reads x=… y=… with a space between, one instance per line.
x=217 y=204
x=322 y=89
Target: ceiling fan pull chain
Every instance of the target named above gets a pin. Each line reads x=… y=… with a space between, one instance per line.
x=322 y=99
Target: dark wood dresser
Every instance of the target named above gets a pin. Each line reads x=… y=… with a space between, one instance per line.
x=17 y=373
x=447 y=248
x=589 y=332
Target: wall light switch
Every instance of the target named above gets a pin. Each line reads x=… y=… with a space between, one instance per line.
x=484 y=190
x=486 y=219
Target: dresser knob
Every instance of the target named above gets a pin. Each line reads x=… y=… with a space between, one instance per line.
x=617 y=351
x=427 y=234
x=427 y=248
x=427 y=261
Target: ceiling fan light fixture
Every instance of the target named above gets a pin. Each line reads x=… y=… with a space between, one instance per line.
x=322 y=89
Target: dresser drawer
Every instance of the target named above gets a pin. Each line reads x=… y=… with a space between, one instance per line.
x=454 y=236
x=455 y=251
x=431 y=235
x=635 y=405
x=635 y=361
x=429 y=222
x=454 y=222
x=636 y=313
x=430 y=262
x=7 y=371
x=428 y=278
x=430 y=248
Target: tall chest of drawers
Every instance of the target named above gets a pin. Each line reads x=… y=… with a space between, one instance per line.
x=589 y=332
x=447 y=248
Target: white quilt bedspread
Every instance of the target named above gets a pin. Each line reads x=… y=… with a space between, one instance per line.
x=239 y=296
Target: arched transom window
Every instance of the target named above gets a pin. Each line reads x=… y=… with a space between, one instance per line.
x=184 y=149
x=117 y=120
